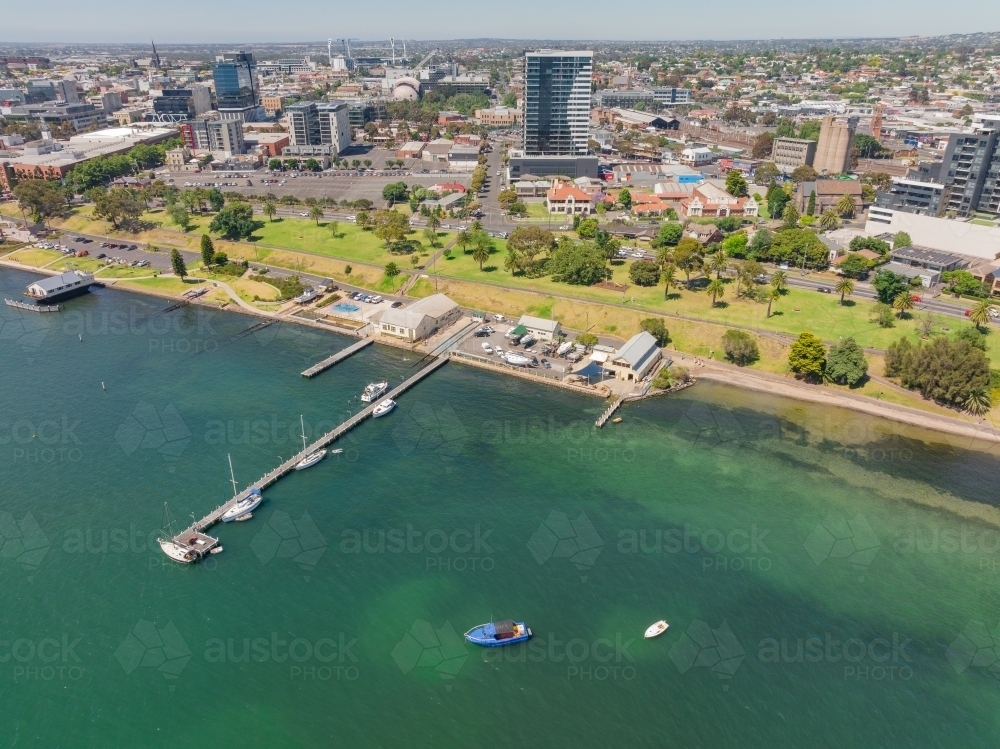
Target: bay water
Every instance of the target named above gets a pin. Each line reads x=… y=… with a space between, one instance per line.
x=830 y=579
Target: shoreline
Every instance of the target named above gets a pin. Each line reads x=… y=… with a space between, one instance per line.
x=714 y=371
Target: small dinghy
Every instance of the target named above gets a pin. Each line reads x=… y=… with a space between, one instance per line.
x=655 y=630
x=495 y=634
x=338 y=451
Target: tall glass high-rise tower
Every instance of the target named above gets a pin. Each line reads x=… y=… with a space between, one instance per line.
x=557 y=102
x=236 y=88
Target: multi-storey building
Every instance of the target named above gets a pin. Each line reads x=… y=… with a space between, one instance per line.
x=557 y=102
x=181 y=104
x=914 y=196
x=205 y=134
x=237 y=90
x=319 y=124
x=790 y=153
x=971 y=168
x=652 y=99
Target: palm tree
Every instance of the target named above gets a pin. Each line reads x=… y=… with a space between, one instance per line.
x=844 y=287
x=978 y=402
x=665 y=257
x=481 y=253
x=718 y=262
x=829 y=220
x=669 y=278
x=270 y=209
x=463 y=239
x=433 y=222
x=903 y=303
x=334 y=227
x=779 y=280
x=980 y=313
x=316 y=213
x=513 y=261
x=716 y=288
x=845 y=206
x=771 y=296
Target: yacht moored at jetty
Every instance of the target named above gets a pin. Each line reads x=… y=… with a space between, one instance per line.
x=63 y=286
x=374 y=391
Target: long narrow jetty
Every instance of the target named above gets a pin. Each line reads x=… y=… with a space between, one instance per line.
x=33 y=307
x=329 y=361
x=183 y=539
x=610 y=410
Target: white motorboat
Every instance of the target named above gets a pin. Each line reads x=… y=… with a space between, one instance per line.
x=383 y=408
x=243 y=506
x=374 y=390
x=657 y=629
x=311 y=459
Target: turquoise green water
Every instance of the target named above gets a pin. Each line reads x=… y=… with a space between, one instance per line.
x=830 y=580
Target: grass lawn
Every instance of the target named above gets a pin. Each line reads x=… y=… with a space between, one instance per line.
x=169 y=285
x=35 y=258
x=125 y=271
x=248 y=289
x=537 y=210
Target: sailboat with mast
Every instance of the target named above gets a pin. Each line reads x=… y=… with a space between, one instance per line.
x=171 y=548
x=313 y=458
x=244 y=505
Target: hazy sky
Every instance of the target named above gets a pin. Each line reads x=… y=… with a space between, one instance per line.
x=227 y=21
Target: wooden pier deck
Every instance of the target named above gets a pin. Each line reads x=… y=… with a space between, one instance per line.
x=610 y=410
x=215 y=515
x=33 y=307
x=328 y=362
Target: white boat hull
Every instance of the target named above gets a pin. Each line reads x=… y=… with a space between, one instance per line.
x=238 y=510
x=655 y=630
x=383 y=408
x=311 y=460
x=374 y=391
x=178 y=553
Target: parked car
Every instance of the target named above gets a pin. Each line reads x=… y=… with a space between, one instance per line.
x=82 y=253
x=824 y=290
x=396 y=305
x=101 y=256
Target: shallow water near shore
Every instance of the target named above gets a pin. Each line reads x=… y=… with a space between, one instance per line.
x=829 y=578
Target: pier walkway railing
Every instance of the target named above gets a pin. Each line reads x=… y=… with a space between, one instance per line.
x=328 y=362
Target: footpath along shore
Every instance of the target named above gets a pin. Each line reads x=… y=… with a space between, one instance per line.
x=699 y=368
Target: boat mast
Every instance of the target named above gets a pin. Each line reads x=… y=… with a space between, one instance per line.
x=303 y=422
x=231 y=476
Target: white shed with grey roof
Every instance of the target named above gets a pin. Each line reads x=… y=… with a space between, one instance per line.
x=636 y=358
x=543 y=330
x=420 y=319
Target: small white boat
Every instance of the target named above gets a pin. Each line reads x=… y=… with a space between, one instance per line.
x=338 y=451
x=374 y=390
x=244 y=506
x=311 y=459
x=655 y=630
x=383 y=408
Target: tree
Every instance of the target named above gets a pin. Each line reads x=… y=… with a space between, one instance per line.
x=41 y=197
x=579 y=264
x=735 y=245
x=889 y=285
x=763 y=146
x=978 y=402
x=776 y=200
x=394 y=192
x=855 y=265
x=716 y=289
x=177 y=263
x=903 y=303
x=431 y=236
x=587 y=228
x=766 y=173
x=587 y=339
x=316 y=213
x=207 y=250
x=844 y=287
x=779 y=281
x=740 y=347
x=180 y=216
x=668 y=276
x=464 y=238
x=670 y=234
x=391 y=270
x=847 y=363
x=979 y=315
x=656 y=328
x=644 y=273
x=433 y=222
x=507 y=198
x=718 y=262
x=736 y=184
x=362 y=219
x=869 y=243
x=235 y=222
x=811 y=205
x=390 y=226
x=770 y=296
x=528 y=242
x=945 y=370
x=829 y=220
x=846 y=206
x=790 y=217
x=687 y=257
x=901 y=239
x=804 y=173
x=807 y=356
x=482 y=248
x=881 y=314
x=760 y=246
x=215 y=199
x=625 y=199
x=334 y=227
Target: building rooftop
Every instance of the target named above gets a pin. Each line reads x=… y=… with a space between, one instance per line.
x=638 y=349
x=923 y=255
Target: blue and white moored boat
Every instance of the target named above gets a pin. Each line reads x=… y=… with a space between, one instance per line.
x=244 y=506
x=495 y=634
